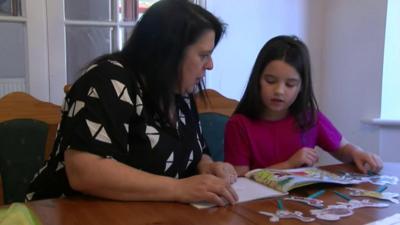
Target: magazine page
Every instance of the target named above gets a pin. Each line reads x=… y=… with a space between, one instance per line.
x=286 y=180
x=246 y=190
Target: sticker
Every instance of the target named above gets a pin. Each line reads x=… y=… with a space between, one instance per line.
x=390 y=196
x=332 y=212
x=365 y=203
x=286 y=214
x=309 y=201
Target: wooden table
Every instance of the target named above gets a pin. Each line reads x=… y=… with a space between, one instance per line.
x=91 y=211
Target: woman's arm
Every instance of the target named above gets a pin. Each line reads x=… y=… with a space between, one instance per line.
x=107 y=178
x=364 y=161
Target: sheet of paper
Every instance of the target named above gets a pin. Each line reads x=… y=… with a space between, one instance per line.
x=247 y=190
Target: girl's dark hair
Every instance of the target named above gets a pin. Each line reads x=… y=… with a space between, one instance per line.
x=155 y=49
x=294 y=52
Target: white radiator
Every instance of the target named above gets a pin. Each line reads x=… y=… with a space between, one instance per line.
x=8 y=85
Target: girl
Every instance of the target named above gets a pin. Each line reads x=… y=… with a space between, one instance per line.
x=277 y=123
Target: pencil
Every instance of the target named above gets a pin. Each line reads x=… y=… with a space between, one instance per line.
x=317 y=194
x=381 y=188
x=344 y=196
x=280 y=204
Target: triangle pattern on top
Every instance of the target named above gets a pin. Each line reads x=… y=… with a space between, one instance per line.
x=93 y=93
x=190 y=159
x=98 y=132
x=115 y=63
x=182 y=117
x=139 y=105
x=169 y=162
x=121 y=91
x=153 y=135
x=75 y=108
x=187 y=101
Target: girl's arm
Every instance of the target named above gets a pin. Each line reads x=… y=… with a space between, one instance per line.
x=107 y=178
x=303 y=157
x=242 y=170
x=364 y=161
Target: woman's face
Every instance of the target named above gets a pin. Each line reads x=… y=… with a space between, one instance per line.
x=280 y=84
x=197 y=59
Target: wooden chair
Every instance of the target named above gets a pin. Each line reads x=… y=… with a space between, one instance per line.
x=22 y=143
x=19 y=105
x=67 y=87
x=216 y=103
x=214 y=112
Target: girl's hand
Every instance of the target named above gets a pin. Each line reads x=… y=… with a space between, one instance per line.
x=366 y=161
x=220 y=169
x=305 y=156
x=205 y=187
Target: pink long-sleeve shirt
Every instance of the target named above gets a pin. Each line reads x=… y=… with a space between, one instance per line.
x=261 y=143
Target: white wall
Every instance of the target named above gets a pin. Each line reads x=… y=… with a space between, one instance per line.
x=250 y=25
x=346 y=42
x=353 y=64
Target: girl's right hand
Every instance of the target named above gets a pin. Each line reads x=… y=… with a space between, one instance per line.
x=303 y=157
x=205 y=187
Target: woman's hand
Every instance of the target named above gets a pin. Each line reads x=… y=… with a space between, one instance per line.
x=205 y=187
x=304 y=156
x=366 y=161
x=220 y=169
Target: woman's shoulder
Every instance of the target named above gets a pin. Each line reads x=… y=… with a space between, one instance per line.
x=105 y=72
x=105 y=67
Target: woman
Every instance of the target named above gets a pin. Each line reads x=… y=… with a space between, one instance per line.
x=130 y=126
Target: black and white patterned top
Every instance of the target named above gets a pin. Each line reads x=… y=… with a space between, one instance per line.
x=103 y=114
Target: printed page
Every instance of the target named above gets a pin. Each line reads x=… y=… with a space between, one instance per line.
x=286 y=180
x=247 y=190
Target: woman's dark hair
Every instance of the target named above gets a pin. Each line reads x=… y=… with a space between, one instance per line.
x=156 y=48
x=294 y=52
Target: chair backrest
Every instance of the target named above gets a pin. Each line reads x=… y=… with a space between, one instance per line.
x=20 y=105
x=22 y=142
x=213 y=115
x=216 y=103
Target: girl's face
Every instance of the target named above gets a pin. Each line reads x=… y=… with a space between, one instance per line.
x=197 y=59
x=280 y=84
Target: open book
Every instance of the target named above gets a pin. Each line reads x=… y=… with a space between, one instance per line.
x=268 y=183
x=286 y=180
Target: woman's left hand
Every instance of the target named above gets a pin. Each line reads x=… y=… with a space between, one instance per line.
x=220 y=169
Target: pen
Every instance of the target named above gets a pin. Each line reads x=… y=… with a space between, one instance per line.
x=317 y=194
x=381 y=188
x=344 y=196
